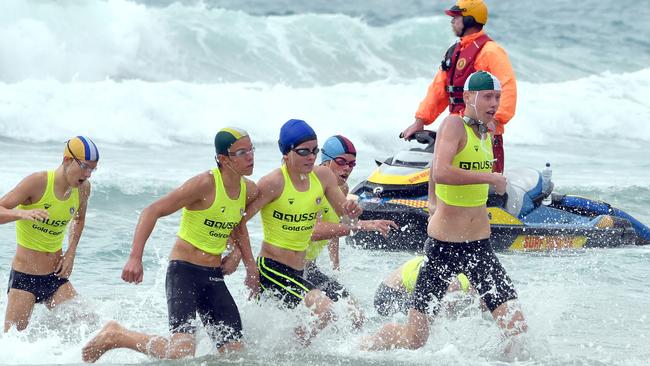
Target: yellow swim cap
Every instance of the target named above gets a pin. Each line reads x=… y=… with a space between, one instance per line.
x=81 y=148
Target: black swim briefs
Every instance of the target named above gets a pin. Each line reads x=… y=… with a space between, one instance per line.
x=42 y=287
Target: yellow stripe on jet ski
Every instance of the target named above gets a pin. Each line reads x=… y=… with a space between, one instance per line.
x=378 y=178
x=548 y=242
x=499 y=216
x=411 y=203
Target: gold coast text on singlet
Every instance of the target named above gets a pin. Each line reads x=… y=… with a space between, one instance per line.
x=47 y=235
x=289 y=221
x=476 y=156
x=209 y=229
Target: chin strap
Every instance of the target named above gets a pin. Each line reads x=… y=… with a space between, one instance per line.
x=229 y=166
x=482 y=128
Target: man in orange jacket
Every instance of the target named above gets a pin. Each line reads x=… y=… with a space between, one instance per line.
x=474 y=51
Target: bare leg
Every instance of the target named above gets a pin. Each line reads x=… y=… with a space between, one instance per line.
x=64 y=293
x=19 y=309
x=357 y=315
x=113 y=335
x=510 y=319
x=234 y=346
x=321 y=306
x=412 y=335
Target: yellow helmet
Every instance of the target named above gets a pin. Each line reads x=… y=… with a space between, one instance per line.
x=470 y=8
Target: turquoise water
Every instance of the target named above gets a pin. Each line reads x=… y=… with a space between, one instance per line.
x=152 y=83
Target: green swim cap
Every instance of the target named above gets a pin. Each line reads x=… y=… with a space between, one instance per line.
x=226 y=137
x=482 y=80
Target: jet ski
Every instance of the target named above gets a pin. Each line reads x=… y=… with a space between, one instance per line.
x=529 y=217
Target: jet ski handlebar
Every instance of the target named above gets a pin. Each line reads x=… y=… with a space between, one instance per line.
x=426 y=137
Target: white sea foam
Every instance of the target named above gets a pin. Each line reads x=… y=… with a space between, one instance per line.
x=92 y=40
x=372 y=114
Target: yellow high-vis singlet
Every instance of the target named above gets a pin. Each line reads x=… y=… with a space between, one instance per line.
x=289 y=221
x=209 y=229
x=476 y=156
x=47 y=235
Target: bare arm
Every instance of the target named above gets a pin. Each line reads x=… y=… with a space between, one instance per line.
x=230 y=262
x=329 y=230
x=451 y=138
x=341 y=205
x=66 y=263
x=190 y=192
x=28 y=191
x=242 y=240
x=431 y=196
x=333 y=248
x=269 y=188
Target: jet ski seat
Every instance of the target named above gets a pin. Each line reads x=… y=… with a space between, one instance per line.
x=523 y=192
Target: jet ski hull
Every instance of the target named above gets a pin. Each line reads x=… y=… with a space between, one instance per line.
x=548 y=228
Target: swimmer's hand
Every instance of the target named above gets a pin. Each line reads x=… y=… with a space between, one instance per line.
x=132 y=272
x=380 y=226
x=230 y=262
x=252 y=281
x=499 y=182
x=352 y=209
x=64 y=266
x=33 y=215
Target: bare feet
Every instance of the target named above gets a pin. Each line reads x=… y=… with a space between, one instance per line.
x=358 y=318
x=366 y=343
x=304 y=335
x=104 y=341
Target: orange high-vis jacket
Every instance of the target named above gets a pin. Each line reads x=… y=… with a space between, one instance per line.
x=493 y=59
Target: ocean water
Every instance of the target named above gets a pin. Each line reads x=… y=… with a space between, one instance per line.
x=152 y=81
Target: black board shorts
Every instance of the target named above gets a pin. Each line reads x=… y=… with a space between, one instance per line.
x=330 y=286
x=476 y=259
x=193 y=289
x=283 y=282
x=389 y=301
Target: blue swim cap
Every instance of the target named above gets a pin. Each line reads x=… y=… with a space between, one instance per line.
x=335 y=146
x=293 y=133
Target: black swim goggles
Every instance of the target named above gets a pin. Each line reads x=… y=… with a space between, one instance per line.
x=482 y=128
x=305 y=152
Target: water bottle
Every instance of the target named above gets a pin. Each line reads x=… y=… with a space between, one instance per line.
x=547 y=185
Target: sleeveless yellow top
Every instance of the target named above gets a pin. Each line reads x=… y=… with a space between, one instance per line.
x=289 y=221
x=411 y=270
x=209 y=229
x=328 y=215
x=47 y=235
x=476 y=156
